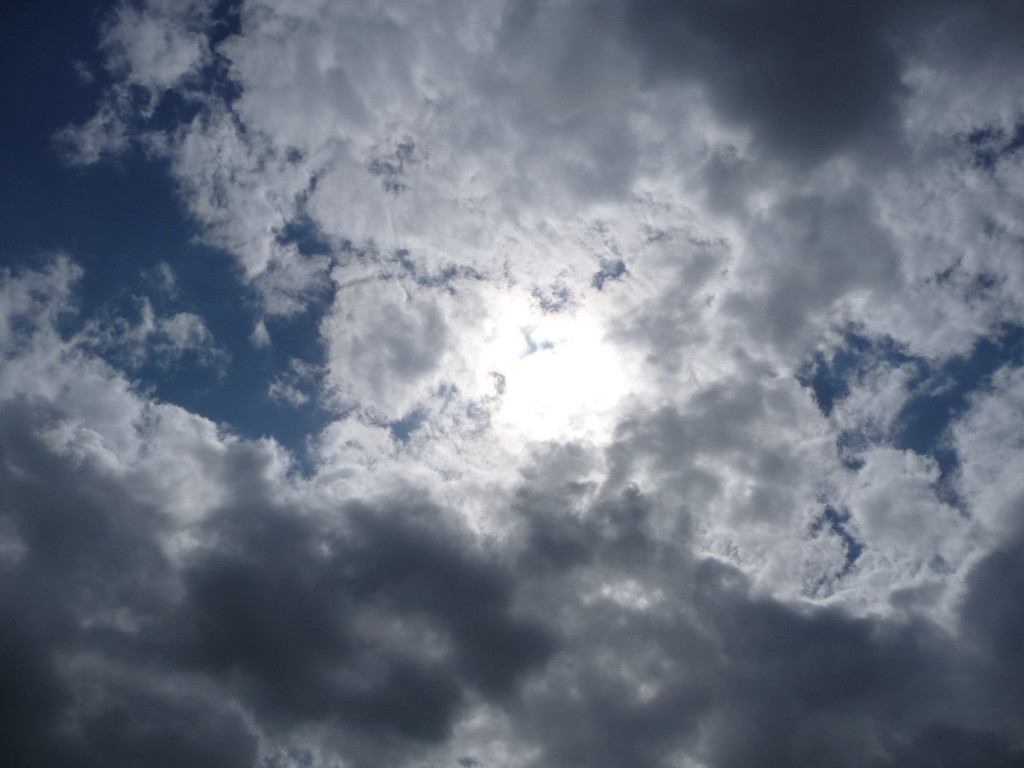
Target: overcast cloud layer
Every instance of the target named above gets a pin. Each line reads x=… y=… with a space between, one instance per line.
x=627 y=384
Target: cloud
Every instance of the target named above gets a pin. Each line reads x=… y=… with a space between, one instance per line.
x=157 y=46
x=625 y=383
x=165 y=339
x=806 y=79
x=384 y=343
x=384 y=627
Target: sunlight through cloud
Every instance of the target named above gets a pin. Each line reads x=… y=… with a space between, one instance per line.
x=555 y=375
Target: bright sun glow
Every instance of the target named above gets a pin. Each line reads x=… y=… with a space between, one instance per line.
x=554 y=374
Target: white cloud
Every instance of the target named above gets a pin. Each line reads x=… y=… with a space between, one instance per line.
x=293 y=386
x=385 y=346
x=988 y=442
x=446 y=164
x=158 y=45
x=260 y=336
x=160 y=339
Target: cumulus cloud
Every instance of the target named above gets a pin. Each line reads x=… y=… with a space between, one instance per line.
x=598 y=383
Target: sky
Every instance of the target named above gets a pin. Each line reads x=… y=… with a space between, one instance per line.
x=512 y=384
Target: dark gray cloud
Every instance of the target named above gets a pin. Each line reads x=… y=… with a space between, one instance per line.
x=603 y=640
x=273 y=581
x=945 y=746
x=809 y=79
x=382 y=619
x=86 y=560
x=736 y=679
x=994 y=622
x=668 y=655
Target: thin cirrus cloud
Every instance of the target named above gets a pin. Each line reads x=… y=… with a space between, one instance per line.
x=510 y=383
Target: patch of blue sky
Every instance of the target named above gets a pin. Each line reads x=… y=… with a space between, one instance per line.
x=610 y=270
x=945 y=395
x=402 y=429
x=227 y=20
x=240 y=397
x=829 y=375
x=304 y=233
x=446 y=276
x=120 y=220
x=833 y=522
x=42 y=205
x=939 y=393
x=990 y=144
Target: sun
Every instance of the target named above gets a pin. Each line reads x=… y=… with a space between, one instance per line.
x=554 y=375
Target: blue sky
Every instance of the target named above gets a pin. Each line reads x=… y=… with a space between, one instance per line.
x=504 y=383
x=121 y=221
